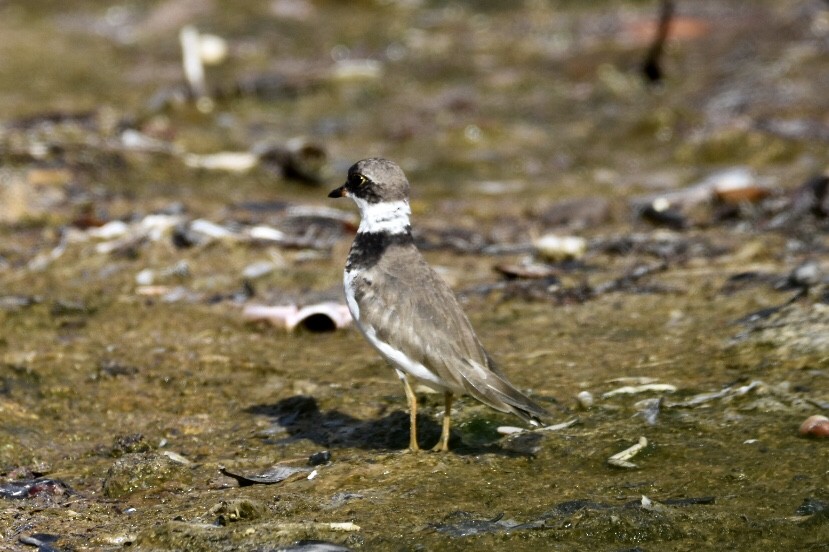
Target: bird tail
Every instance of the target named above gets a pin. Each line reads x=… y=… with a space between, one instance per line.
x=495 y=391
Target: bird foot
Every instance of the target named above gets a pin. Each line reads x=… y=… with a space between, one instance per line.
x=442 y=446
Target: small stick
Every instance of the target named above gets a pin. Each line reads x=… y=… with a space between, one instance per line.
x=651 y=67
x=621 y=459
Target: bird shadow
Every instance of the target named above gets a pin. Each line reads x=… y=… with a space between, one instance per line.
x=299 y=417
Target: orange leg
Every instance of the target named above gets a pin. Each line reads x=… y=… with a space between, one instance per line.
x=411 y=398
x=443 y=444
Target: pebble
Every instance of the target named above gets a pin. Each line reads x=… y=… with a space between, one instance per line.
x=737 y=185
x=145 y=278
x=585 y=399
x=815 y=426
x=807 y=274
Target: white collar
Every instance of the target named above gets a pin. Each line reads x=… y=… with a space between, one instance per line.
x=391 y=217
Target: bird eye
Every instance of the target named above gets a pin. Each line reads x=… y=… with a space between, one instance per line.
x=360 y=179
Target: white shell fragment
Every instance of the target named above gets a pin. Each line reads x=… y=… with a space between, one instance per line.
x=341 y=526
x=266 y=233
x=511 y=430
x=258 y=269
x=652 y=505
x=703 y=398
x=110 y=230
x=558 y=427
x=321 y=316
x=147 y=277
x=175 y=457
x=273 y=475
x=43 y=260
x=156 y=226
x=631 y=389
x=134 y=140
x=649 y=409
x=152 y=291
x=357 y=69
x=210 y=229
x=560 y=248
x=622 y=459
x=323 y=212
x=728 y=185
x=119 y=235
x=231 y=161
x=212 y=49
x=633 y=380
x=191 y=61
x=151 y=227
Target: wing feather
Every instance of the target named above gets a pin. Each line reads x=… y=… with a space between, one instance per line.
x=413 y=301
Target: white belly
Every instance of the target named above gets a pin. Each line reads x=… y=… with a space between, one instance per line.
x=398 y=359
x=395 y=357
x=350 y=300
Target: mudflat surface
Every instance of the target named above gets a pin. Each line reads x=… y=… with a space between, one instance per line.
x=140 y=409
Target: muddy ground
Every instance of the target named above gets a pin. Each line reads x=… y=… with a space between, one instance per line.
x=138 y=405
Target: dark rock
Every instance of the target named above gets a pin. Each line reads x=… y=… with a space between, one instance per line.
x=321 y=457
x=127 y=444
x=664 y=216
x=114 y=368
x=812 y=506
x=462 y=524
x=238 y=510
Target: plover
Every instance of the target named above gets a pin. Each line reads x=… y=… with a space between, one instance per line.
x=407 y=312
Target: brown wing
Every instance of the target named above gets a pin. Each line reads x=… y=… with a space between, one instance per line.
x=412 y=301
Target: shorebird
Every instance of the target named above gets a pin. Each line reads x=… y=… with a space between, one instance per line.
x=407 y=312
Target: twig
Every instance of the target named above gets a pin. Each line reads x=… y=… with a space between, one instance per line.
x=651 y=67
x=621 y=459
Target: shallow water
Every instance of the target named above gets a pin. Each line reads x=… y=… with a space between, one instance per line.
x=495 y=114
